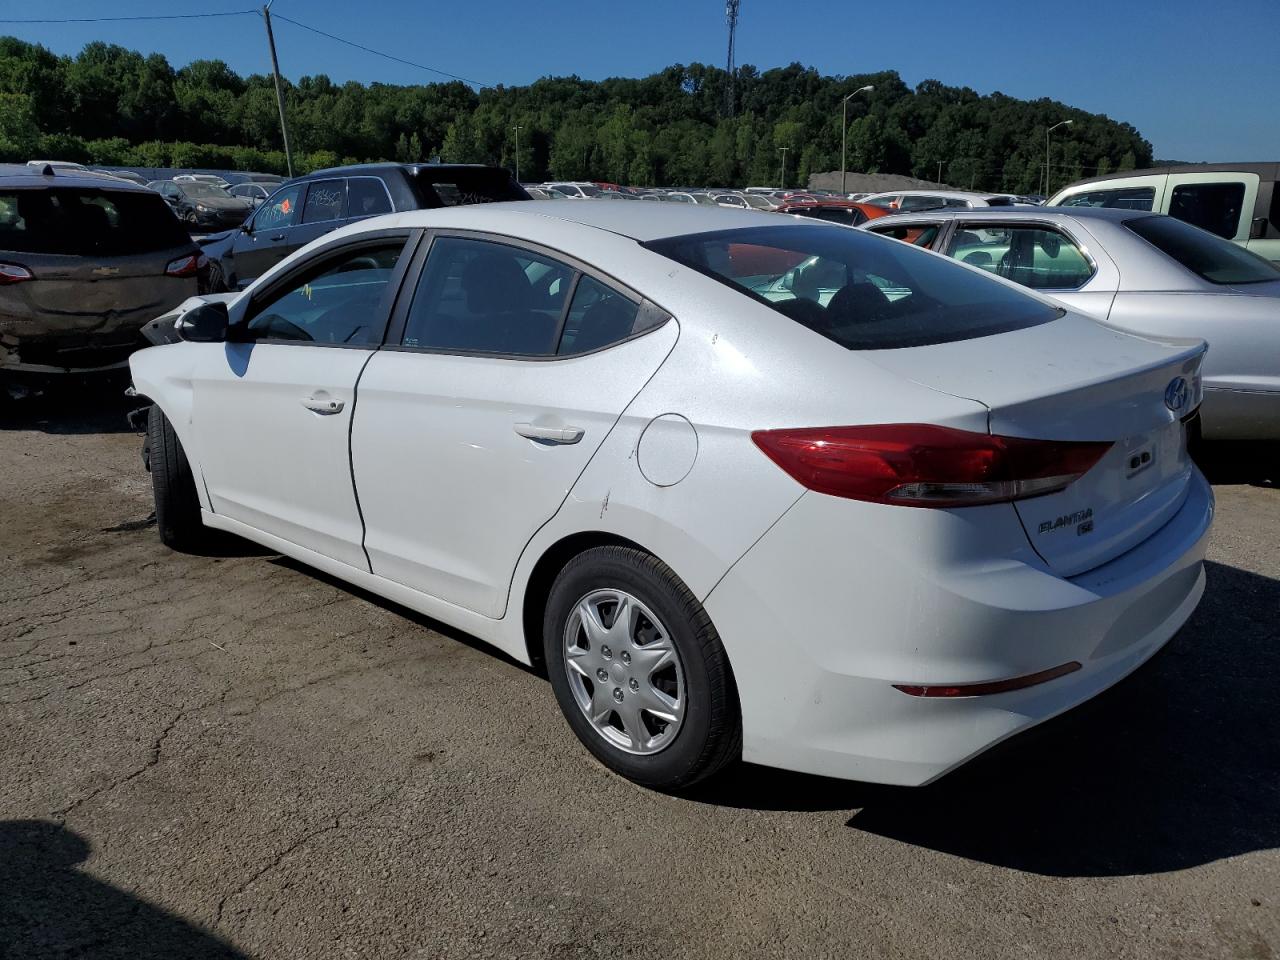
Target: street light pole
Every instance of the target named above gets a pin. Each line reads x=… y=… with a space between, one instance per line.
x=782 y=170
x=844 y=132
x=1064 y=123
x=516 y=128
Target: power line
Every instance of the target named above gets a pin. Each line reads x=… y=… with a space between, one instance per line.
x=158 y=16
x=379 y=53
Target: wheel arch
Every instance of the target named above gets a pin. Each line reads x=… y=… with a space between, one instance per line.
x=543 y=575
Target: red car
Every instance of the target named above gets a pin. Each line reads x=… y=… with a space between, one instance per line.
x=848 y=212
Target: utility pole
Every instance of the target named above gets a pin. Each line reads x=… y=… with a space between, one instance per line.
x=939 y=171
x=516 y=128
x=782 y=170
x=275 y=68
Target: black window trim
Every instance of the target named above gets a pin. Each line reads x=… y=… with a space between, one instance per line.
x=958 y=224
x=250 y=307
x=399 y=320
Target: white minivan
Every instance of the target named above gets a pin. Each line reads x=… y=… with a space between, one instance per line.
x=1237 y=201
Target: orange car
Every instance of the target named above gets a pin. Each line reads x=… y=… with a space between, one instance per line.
x=848 y=212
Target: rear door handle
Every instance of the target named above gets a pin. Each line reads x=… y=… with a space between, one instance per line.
x=278 y=236
x=323 y=405
x=535 y=431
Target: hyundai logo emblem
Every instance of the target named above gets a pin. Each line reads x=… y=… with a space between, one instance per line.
x=1176 y=394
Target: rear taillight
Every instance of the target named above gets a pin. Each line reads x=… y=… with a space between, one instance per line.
x=12 y=273
x=920 y=465
x=186 y=266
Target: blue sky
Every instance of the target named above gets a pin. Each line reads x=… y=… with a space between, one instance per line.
x=1198 y=79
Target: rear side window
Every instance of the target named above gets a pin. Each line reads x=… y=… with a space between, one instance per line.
x=858 y=291
x=1210 y=206
x=448 y=188
x=1122 y=198
x=1208 y=257
x=481 y=297
x=1032 y=256
x=87 y=222
x=367 y=197
x=598 y=316
x=326 y=200
x=341 y=305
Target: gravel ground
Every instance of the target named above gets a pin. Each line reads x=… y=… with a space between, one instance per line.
x=230 y=755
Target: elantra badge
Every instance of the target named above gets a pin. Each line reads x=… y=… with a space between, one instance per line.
x=1176 y=394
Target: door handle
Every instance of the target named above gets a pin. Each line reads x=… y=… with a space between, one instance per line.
x=278 y=236
x=323 y=405
x=536 y=431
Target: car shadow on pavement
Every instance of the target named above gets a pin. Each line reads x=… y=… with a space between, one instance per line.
x=74 y=407
x=49 y=908
x=1176 y=766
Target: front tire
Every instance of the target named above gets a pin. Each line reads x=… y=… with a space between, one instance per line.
x=639 y=670
x=174 y=486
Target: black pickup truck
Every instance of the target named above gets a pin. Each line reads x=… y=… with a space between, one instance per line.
x=305 y=208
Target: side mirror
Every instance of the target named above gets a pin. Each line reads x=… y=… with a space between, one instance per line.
x=247 y=227
x=1258 y=228
x=206 y=323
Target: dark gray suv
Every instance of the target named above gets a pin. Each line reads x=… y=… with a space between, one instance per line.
x=85 y=260
x=309 y=207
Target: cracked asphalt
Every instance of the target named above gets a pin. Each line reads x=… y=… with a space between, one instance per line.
x=232 y=756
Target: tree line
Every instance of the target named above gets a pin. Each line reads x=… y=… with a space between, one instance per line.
x=113 y=106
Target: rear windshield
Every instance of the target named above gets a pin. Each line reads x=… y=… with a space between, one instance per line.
x=82 y=222
x=454 y=187
x=1207 y=256
x=855 y=288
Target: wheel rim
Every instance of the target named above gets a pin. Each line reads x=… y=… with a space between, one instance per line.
x=624 y=671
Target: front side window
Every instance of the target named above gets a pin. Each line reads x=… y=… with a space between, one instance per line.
x=1208 y=257
x=326 y=200
x=476 y=296
x=855 y=290
x=916 y=234
x=1035 y=257
x=281 y=210
x=367 y=197
x=342 y=304
x=1120 y=198
x=1210 y=206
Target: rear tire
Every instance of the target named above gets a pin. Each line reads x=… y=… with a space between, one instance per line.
x=666 y=659
x=174 y=486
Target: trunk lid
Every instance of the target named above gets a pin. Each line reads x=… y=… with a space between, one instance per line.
x=1074 y=379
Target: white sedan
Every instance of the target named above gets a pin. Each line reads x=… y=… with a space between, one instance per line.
x=744 y=485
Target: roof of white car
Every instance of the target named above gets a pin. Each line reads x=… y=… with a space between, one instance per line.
x=643 y=222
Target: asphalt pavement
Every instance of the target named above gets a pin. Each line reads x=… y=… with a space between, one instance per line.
x=234 y=756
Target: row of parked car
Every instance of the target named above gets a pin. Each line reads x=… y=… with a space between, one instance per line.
x=87 y=257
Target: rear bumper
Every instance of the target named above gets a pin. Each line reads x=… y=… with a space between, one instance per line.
x=817 y=643
x=1230 y=413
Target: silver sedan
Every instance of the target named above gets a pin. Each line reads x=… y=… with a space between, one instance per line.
x=1142 y=272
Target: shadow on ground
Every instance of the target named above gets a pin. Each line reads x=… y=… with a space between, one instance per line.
x=75 y=405
x=50 y=908
x=1177 y=766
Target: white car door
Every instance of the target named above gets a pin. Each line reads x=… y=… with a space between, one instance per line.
x=272 y=411
x=511 y=368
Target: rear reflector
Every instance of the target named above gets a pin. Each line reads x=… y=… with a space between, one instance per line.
x=989 y=687
x=186 y=266
x=921 y=465
x=12 y=273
